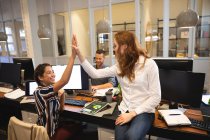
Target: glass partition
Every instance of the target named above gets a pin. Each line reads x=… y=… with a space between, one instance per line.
x=47 y=45
x=60 y=25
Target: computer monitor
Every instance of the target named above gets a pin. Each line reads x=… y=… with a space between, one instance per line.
x=174 y=64
x=78 y=80
x=182 y=86
x=10 y=73
x=27 y=66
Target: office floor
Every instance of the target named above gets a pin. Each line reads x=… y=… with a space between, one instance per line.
x=91 y=133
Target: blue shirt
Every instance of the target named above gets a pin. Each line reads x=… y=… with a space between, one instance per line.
x=100 y=81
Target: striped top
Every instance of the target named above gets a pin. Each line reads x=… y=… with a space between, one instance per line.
x=47 y=105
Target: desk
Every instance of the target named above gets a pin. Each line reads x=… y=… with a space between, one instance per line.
x=159 y=127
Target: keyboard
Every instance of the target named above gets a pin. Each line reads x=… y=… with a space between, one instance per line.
x=75 y=102
x=200 y=124
x=5 y=90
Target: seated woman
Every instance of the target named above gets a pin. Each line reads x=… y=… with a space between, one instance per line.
x=49 y=97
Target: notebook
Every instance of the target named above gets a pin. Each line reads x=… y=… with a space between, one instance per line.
x=174 y=117
x=95 y=106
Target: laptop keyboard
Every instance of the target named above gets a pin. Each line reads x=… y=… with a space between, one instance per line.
x=200 y=124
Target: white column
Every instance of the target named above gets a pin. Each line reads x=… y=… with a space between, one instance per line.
x=137 y=18
x=53 y=32
x=110 y=35
x=91 y=31
x=192 y=32
x=30 y=24
x=165 y=27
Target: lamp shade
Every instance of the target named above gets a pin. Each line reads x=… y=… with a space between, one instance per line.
x=187 y=18
x=44 y=33
x=102 y=27
x=3 y=37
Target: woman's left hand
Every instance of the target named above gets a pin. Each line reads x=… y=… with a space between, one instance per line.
x=125 y=118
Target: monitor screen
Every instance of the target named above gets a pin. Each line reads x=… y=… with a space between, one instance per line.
x=10 y=73
x=174 y=64
x=78 y=79
x=182 y=87
x=27 y=66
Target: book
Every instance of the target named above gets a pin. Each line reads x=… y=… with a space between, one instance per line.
x=95 y=106
x=174 y=117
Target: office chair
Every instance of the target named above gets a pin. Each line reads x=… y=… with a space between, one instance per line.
x=19 y=130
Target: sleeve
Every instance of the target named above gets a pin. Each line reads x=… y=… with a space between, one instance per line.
x=154 y=90
x=99 y=73
x=113 y=81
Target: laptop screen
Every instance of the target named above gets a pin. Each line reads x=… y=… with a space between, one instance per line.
x=30 y=87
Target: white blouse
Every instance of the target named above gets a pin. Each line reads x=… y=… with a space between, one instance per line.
x=141 y=95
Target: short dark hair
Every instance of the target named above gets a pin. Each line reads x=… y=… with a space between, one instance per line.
x=39 y=71
x=100 y=51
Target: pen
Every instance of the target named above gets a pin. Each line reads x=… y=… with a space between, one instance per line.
x=173 y=114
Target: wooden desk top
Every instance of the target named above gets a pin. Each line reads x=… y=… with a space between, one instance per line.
x=2 y=94
x=161 y=123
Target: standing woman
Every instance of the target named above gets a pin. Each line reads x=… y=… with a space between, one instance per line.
x=139 y=79
x=49 y=97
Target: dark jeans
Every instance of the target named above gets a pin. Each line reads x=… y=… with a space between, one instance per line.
x=136 y=129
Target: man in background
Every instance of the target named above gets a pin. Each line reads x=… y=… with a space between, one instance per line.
x=102 y=83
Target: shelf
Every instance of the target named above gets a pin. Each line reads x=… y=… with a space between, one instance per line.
x=179 y=40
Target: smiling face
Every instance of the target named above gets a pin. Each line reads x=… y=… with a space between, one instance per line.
x=48 y=77
x=99 y=60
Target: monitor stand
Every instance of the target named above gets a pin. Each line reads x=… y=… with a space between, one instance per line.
x=69 y=91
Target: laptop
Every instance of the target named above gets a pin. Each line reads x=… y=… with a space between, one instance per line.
x=30 y=88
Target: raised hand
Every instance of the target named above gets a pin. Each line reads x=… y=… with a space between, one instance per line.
x=74 y=43
x=74 y=40
x=76 y=48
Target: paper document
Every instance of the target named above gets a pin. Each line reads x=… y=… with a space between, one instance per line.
x=15 y=94
x=174 y=117
x=101 y=92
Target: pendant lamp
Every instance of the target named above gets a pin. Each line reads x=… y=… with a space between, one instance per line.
x=44 y=32
x=102 y=26
x=187 y=19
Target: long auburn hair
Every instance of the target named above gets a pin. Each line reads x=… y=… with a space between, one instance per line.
x=130 y=56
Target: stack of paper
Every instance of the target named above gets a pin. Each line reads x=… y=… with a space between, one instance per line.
x=174 y=117
x=15 y=94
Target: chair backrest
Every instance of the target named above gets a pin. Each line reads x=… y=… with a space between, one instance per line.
x=19 y=130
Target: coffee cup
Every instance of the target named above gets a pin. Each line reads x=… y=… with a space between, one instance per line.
x=109 y=96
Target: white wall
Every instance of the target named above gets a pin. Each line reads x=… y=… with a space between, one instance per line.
x=80 y=27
